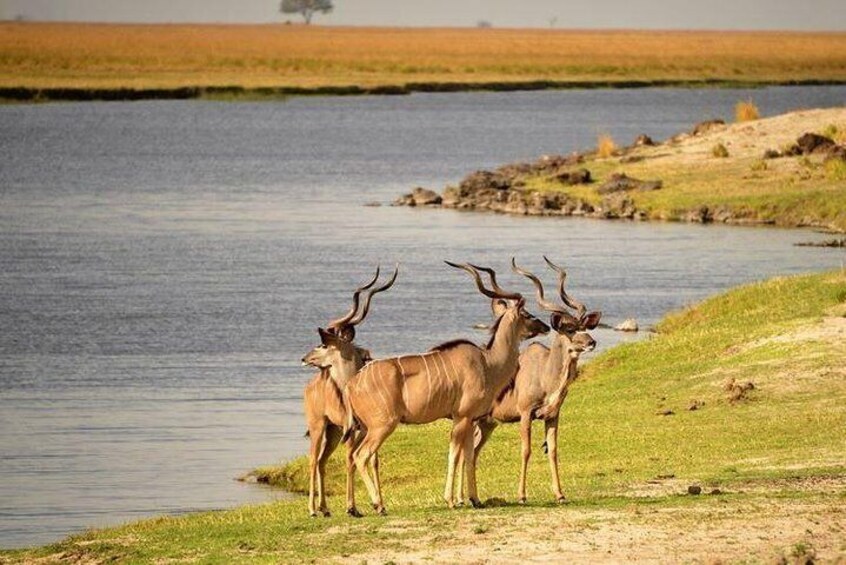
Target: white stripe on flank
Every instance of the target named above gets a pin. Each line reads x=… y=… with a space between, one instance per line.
x=381 y=389
x=428 y=380
x=454 y=372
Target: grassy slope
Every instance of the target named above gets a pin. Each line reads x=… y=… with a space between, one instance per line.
x=169 y=56
x=788 y=191
x=612 y=440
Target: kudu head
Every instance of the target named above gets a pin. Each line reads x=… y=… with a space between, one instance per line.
x=571 y=328
x=337 y=353
x=508 y=307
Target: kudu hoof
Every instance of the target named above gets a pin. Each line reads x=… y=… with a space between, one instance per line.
x=459 y=504
x=562 y=500
x=354 y=513
x=380 y=510
x=326 y=513
x=521 y=500
x=312 y=514
x=476 y=503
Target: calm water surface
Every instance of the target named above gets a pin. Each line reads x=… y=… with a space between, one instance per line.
x=164 y=265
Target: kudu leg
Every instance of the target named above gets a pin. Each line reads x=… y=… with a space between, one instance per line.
x=374 y=471
x=468 y=453
x=456 y=439
x=460 y=478
x=315 y=434
x=352 y=444
x=481 y=432
x=363 y=455
x=526 y=438
x=333 y=437
x=552 y=451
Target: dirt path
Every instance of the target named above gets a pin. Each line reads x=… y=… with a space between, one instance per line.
x=712 y=529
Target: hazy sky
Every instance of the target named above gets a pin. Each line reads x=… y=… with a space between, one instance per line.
x=703 y=14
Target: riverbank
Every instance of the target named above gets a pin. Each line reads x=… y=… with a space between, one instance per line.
x=75 y=61
x=787 y=170
x=645 y=422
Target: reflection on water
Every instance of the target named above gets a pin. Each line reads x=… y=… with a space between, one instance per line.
x=164 y=266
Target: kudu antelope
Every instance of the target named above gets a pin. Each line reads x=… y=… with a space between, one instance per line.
x=544 y=378
x=457 y=380
x=338 y=359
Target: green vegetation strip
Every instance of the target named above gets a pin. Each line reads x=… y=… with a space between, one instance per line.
x=780 y=335
x=238 y=93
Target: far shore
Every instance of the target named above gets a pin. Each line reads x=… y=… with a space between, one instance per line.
x=79 y=61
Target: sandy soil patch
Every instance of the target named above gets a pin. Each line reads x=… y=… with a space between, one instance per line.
x=719 y=530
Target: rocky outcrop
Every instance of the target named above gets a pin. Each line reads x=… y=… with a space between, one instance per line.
x=620 y=182
x=576 y=176
x=813 y=143
x=419 y=197
x=706 y=126
x=643 y=140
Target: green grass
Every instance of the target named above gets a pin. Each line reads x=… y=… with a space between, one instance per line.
x=790 y=191
x=612 y=441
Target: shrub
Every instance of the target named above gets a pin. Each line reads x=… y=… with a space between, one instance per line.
x=605 y=147
x=746 y=111
x=719 y=151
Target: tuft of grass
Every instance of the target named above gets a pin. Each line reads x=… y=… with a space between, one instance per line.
x=759 y=165
x=835 y=169
x=719 y=151
x=746 y=111
x=605 y=146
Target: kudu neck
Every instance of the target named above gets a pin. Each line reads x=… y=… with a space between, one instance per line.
x=342 y=372
x=503 y=354
x=559 y=364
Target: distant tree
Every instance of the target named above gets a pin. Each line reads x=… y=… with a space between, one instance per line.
x=553 y=21
x=484 y=24
x=306 y=8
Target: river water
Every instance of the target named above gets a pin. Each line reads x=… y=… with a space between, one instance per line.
x=164 y=266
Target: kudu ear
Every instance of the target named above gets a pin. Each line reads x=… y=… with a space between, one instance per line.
x=347 y=333
x=327 y=337
x=498 y=307
x=591 y=320
x=364 y=354
x=563 y=323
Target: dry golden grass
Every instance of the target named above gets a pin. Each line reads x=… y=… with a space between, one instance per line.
x=605 y=146
x=44 y=55
x=746 y=111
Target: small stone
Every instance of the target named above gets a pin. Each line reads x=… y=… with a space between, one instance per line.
x=695 y=405
x=716 y=491
x=643 y=140
x=694 y=489
x=627 y=325
x=666 y=412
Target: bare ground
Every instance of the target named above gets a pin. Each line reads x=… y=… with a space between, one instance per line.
x=720 y=529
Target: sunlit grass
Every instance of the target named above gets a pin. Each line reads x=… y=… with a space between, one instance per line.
x=145 y=56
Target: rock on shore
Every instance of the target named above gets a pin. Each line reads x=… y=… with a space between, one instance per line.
x=565 y=185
